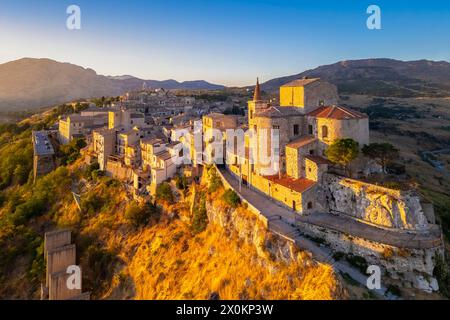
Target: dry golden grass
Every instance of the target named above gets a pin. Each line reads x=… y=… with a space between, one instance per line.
x=165 y=261
x=171 y=264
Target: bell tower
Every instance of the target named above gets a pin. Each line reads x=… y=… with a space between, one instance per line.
x=255 y=105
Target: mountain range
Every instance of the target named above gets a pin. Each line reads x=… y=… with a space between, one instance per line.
x=31 y=83
x=380 y=77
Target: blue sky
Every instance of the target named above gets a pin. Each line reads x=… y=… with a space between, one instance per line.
x=227 y=42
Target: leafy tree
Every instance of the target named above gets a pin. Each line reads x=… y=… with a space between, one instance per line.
x=382 y=153
x=199 y=218
x=140 y=215
x=71 y=152
x=231 y=198
x=181 y=182
x=164 y=192
x=343 y=152
x=214 y=180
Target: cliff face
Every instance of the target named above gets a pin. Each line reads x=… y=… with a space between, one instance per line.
x=234 y=258
x=377 y=205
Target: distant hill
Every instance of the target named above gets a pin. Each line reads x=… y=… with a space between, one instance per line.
x=381 y=77
x=31 y=83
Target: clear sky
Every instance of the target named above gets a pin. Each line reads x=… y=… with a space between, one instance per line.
x=222 y=41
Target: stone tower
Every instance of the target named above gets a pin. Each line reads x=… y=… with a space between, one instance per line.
x=256 y=105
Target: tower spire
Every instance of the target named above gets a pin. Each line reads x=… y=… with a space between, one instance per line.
x=257 y=95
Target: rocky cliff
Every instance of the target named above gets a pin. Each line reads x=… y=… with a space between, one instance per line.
x=377 y=205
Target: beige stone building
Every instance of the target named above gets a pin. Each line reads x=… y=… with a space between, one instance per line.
x=44 y=154
x=299 y=130
x=80 y=126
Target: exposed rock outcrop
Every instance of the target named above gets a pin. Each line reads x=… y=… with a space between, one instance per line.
x=377 y=205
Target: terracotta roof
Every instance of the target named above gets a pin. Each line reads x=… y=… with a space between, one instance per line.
x=318 y=159
x=299 y=185
x=302 y=141
x=279 y=112
x=300 y=82
x=335 y=112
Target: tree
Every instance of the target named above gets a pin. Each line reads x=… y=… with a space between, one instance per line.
x=343 y=152
x=140 y=214
x=382 y=153
x=231 y=198
x=164 y=192
x=200 y=217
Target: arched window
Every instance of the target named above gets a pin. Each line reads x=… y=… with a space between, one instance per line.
x=324 y=132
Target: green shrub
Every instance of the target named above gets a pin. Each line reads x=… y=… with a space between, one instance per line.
x=92 y=203
x=32 y=208
x=200 y=218
x=69 y=153
x=93 y=167
x=181 y=182
x=101 y=265
x=231 y=198
x=358 y=262
x=140 y=215
x=164 y=192
x=215 y=183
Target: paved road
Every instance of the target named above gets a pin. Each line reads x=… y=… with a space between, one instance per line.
x=280 y=223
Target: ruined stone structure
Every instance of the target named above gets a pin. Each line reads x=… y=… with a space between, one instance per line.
x=59 y=254
x=44 y=154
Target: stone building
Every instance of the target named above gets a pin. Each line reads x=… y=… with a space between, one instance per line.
x=294 y=136
x=44 y=154
x=80 y=126
x=214 y=127
x=125 y=119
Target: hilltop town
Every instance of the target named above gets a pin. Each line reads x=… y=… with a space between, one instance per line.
x=324 y=204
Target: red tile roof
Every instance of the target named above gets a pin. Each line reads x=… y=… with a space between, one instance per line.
x=318 y=159
x=302 y=141
x=335 y=112
x=299 y=185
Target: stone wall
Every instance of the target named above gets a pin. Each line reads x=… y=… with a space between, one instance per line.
x=370 y=203
x=56 y=239
x=59 y=259
x=413 y=266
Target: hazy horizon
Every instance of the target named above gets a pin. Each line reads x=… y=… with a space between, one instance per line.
x=223 y=42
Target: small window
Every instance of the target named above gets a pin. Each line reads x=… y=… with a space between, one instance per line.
x=321 y=103
x=251 y=114
x=296 y=129
x=310 y=205
x=311 y=152
x=324 y=132
x=310 y=129
x=276 y=127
